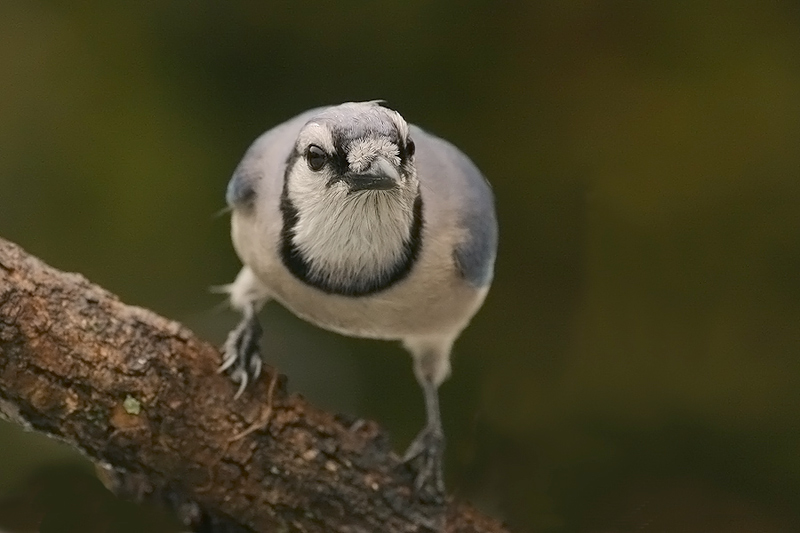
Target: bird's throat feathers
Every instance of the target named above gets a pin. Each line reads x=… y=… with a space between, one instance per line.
x=351 y=244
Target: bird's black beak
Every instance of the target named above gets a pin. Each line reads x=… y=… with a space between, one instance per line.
x=369 y=182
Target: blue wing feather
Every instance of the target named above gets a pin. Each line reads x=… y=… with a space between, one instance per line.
x=475 y=257
x=476 y=254
x=241 y=190
x=460 y=188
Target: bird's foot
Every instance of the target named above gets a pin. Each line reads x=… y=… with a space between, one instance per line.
x=425 y=454
x=241 y=355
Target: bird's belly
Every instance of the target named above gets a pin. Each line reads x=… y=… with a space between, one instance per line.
x=408 y=309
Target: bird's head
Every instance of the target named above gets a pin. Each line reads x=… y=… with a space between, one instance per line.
x=351 y=205
x=353 y=151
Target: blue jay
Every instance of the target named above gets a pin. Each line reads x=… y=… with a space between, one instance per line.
x=368 y=226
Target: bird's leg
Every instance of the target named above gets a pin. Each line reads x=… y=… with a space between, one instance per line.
x=426 y=452
x=241 y=353
x=427 y=449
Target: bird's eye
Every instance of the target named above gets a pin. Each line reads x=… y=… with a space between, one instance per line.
x=316 y=157
x=410 y=148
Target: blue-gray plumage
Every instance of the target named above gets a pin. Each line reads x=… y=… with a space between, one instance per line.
x=365 y=225
x=475 y=256
x=240 y=190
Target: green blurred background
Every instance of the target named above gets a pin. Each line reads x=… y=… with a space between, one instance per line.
x=636 y=366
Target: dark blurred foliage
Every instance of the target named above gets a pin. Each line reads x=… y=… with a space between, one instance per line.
x=637 y=363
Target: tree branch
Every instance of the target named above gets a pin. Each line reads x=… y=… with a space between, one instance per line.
x=141 y=396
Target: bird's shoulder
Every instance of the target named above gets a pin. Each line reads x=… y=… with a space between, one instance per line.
x=459 y=187
x=265 y=160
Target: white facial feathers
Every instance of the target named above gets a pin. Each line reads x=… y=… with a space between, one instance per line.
x=318 y=134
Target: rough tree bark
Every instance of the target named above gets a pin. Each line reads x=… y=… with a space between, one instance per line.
x=141 y=396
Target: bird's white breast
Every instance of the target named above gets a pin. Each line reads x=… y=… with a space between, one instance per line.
x=433 y=300
x=344 y=240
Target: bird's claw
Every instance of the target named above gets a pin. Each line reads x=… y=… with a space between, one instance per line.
x=241 y=356
x=425 y=453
